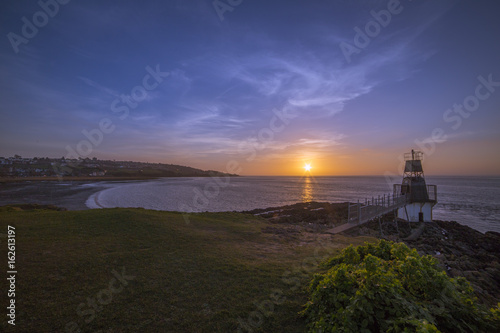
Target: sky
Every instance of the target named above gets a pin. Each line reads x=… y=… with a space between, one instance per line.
x=258 y=87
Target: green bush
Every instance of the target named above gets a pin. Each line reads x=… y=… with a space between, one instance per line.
x=388 y=287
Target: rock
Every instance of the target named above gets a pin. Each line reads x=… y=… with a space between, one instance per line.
x=455 y=272
x=473 y=275
x=460 y=250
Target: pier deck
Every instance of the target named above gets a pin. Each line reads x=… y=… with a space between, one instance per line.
x=359 y=213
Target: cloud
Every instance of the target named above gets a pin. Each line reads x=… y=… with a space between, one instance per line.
x=225 y=82
x=99 y=87
x=246 y=88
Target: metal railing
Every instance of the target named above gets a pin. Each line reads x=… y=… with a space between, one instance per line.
x=359 y=213
x=414 y=155
x=402 y=189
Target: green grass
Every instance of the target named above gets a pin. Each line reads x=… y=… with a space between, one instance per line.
x=208 y=275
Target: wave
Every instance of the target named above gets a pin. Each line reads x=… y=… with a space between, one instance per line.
x=93 y=201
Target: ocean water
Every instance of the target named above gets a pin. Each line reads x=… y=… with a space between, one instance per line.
x=472 y=201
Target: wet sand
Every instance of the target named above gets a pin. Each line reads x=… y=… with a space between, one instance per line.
x=70 y=195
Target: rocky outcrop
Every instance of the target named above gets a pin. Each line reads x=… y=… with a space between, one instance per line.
x=460 y=250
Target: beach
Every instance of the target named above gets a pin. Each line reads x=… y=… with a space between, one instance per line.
x=70 y=195
x=144 y=238
x=470 y=201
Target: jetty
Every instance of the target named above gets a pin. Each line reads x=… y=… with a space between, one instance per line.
x=360 y=213
x=412 y=200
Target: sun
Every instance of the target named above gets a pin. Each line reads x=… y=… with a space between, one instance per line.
x=307 y=167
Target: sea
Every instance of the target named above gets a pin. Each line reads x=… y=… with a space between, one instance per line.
x=472 y=201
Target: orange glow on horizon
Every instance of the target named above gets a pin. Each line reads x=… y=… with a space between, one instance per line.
x=448 y=160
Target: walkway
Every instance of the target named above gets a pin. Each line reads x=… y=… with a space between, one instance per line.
x=359 y=213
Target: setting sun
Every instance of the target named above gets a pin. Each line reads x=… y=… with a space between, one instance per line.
x=307 y=167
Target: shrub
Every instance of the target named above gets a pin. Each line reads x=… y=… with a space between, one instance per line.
x=388 y=287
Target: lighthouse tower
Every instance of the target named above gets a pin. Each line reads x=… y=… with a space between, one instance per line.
x=421 y=197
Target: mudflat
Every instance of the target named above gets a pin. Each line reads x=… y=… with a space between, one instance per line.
x=70 y=195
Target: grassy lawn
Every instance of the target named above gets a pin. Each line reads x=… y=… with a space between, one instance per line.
x=131 y=270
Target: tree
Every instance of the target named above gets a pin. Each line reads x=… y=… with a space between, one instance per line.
x=388 y=287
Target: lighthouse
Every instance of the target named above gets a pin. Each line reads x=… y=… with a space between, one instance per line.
x=421 y=198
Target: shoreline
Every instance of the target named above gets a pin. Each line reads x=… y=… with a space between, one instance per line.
x=75 y=193
x=66 y=179
x=91 y=178
x=70 y=195
x=92 y=201
x=460 y=250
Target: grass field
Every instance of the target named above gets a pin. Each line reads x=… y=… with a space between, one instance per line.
x=136 y=270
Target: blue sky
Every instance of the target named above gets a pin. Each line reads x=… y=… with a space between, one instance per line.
x=228 y=79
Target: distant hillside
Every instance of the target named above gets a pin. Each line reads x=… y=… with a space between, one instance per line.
x=49 y=167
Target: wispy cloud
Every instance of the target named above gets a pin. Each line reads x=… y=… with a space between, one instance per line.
x=99 y=87
x=226 y=78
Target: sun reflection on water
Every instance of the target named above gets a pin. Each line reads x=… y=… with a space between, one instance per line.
x=307 y=190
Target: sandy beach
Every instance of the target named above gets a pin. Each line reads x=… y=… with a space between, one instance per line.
x=70 y=195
